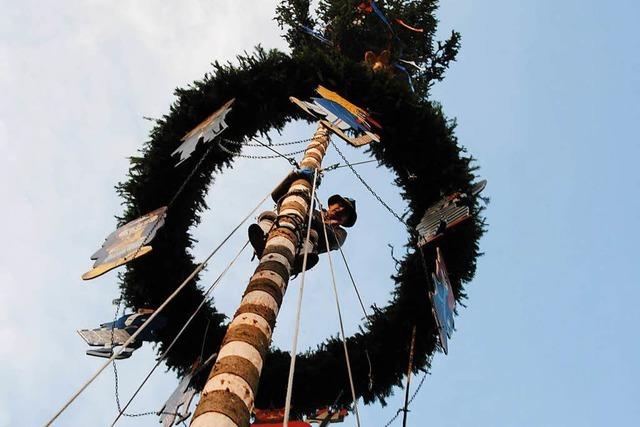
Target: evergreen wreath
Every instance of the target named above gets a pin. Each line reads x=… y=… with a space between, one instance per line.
x=417 y=143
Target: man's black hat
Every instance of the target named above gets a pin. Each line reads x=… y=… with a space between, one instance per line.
x=350 y=206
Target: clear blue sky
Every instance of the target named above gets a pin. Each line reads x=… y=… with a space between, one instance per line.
x=545 y=94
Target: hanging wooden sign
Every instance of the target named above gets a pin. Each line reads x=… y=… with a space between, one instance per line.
x=114 y=334
x=126 y=243
x=176 y=408
x=443 y=302
x=447 y=213
x=103 y=336
x=207 y=130
x=341 y=116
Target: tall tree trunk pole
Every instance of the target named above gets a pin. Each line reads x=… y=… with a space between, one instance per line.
x=228 y=396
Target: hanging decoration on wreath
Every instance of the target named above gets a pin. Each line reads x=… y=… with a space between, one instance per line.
x=176 y=408
x=115 y=334
x=317 y=35
x=126 y=243
x=340 y=116
x=443 y=302
x=447 y=213
x=207 y=130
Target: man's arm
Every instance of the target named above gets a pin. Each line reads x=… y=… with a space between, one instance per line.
x=335 y=234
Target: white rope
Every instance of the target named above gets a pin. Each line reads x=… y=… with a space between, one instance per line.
x=197 y=270
x=344 y=340
x=184 y=328
x=294 y=345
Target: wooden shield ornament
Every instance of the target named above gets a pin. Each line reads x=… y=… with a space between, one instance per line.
x=447 y=213
x=207 y=130
x=443 y=302
x=126 y=243
x=104 y=337
x=341 y=116
x=176 y=408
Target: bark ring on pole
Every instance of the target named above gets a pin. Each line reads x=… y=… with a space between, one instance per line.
x=228 y=396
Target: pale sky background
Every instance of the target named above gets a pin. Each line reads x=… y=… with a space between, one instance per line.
x=545 y=94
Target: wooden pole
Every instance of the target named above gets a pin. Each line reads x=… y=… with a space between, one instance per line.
x=409 y=369
x=228 y=396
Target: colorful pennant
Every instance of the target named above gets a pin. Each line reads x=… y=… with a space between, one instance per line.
x=413 y=64
x=207 y=130
x=443 y=302
x=409 y=27
x=317 y=35
x=404 y=70
x=380 y=15
x=372 y=7
x=126 y=243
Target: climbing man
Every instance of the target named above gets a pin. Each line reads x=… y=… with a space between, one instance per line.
x=341 y=212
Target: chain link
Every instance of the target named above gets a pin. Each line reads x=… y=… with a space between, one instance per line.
x=140 y=414
x=278 y=144
x=415 y=393
x=248 y=156
x=382 y=202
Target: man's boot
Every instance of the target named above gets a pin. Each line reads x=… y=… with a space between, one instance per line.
x=258 y=232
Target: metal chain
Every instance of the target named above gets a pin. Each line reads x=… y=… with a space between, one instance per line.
x=382 y=202
x=278 y=144
x=248 y=156
x=139 y=414
x=415 y=393
x=117 y=395
x=338 y=165
x=429 y=358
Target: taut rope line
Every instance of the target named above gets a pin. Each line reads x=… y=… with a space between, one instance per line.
x=294 y=345
x=197 y=270
x=184 y=327
x=344 y=341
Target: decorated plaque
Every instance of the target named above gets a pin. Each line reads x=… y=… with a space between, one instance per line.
x=103 y=337
x=443 y=302
x=341 y=116
x=176 y=408
x=126 y=243
x=207 y=130
x=447 y=213
x=113 y=334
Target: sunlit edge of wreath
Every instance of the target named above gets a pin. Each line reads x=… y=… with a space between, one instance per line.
x=417 y=139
